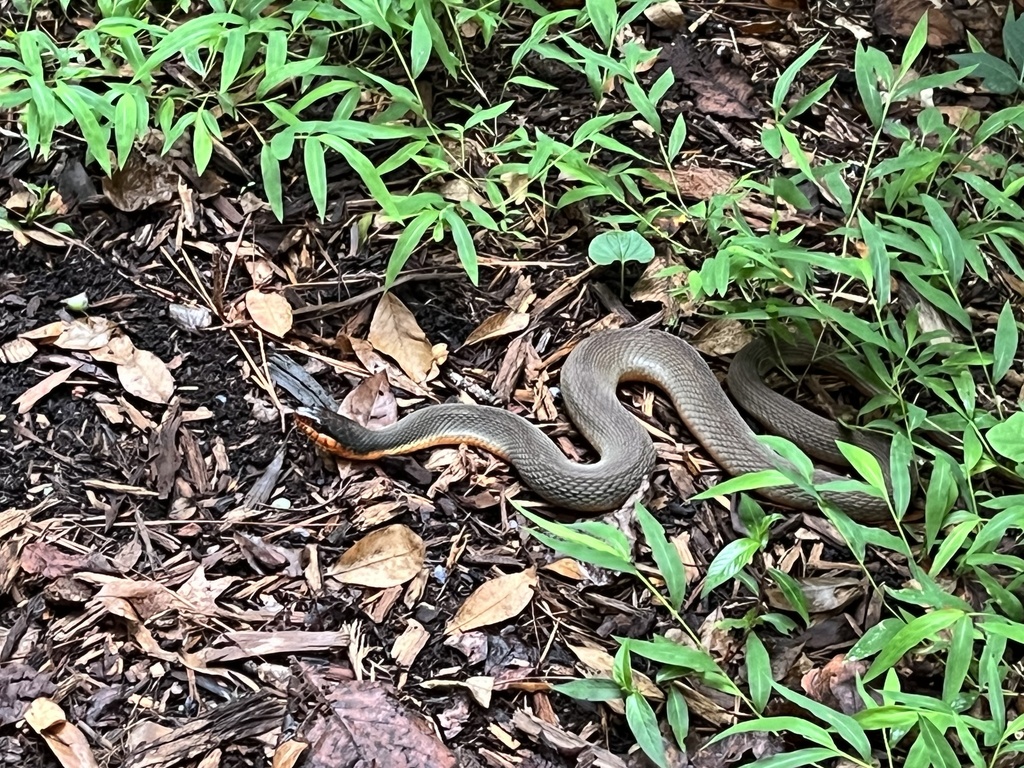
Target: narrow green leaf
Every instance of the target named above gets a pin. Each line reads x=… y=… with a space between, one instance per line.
x=464 y=244
x=678 y=714
x=644 y=725
x=878 y=257
x=958 y=660
x=865 y=464
x=759 y=672
x=665 y=555
x=1006 y=344
x=845 y=726
x=785 y=81
x=591 y=689
x=622 y=667
x=270 y=170
x=733 y=558
x=95 y=136
x=810 y=731
x=793 y=593
x=407 y=242
x=421 y=43
x=234 y=52
x=910 y=636
x=676 y=138
x=316 y=173
x=126 y=115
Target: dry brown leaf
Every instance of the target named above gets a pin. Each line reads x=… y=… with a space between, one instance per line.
x=824 y=594
x=145 y=180
x=666 y=15
x=395 y=332
x=722 y=337
x=567 y=568
x=500 y=324
x=38 y=391
x=494 y=601
x=86 y=333
x=16 y=351
x=697 y=183
x=270 y=311
x=899 y=17
x=408 y=645
x=64 y=739
x=384 y=558
x=119 y=351
x=146 y=376
x=287 y=753
x=45 y=334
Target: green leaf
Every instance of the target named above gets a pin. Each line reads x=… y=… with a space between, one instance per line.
x=463 y=244
x=733 y=558
x=234 y=52
x=591 y=689
x=270 y=170
x=604 y=17
x=914 y=46
x=766 y=478
x=421 y=44
x=1006 y=344
x=316 y=173
x=676 y=138
x=490 y=113
x=622 y=669
x=785 y=81
x=678 y=714
x=865 y=464
x=759 y=672
x=126 y=115
x=952 y=244
x=876 y=638
x=367 y=171
x=990 y=676
x=800 y=727
x=202 y=143
x=869 y=66
x=407 y=242
x=958 y=660
x=644 y=725
x=1007 y=437
x=878 y=257
x=95 y=136
x=796 y=758
x=995 y=74
x=910 y=636
x=848 y=729
x=665 y=555
x=620 y=247
x=793 y=593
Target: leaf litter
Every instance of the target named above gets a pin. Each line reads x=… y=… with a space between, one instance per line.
x=168 y=589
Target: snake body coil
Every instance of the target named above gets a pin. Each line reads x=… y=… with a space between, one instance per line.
x=589 y=381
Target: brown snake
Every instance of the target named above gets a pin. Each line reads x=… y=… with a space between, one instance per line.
x=589 y=381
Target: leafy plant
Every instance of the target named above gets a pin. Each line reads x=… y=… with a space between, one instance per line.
x=1003 y=76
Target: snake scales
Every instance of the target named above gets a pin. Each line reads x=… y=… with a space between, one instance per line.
x=589 y=380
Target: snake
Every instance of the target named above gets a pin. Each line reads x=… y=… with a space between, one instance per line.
x=589 y=381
